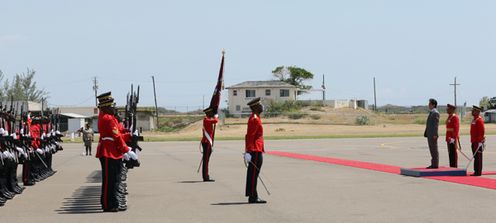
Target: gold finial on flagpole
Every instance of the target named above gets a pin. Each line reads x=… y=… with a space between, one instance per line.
x=223 y=51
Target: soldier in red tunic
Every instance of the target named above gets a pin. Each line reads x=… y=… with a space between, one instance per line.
x=207 y=141
x=452 y=135
x=110 y=151
x=478 y=139
x=254 y=148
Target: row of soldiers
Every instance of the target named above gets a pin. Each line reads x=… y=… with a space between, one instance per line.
x=28 y=141
x=117 y=150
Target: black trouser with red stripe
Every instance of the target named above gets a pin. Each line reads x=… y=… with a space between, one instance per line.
x=453 y=155
x=207 y=151
x=477 y=159
x=254 y=168
x=110 y=172
x=26 y=169
x=12 y=180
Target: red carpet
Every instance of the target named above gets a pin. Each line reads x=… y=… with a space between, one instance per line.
x=466 y=180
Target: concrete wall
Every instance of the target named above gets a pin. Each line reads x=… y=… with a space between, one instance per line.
x=240 y=99
x=490 y=117
x=342 y=103
x=75 y=123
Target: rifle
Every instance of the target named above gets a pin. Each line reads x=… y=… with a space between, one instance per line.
x=131 y=124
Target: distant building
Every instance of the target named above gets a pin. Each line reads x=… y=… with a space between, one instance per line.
x=33 y=107
x=73 y=118
x=242 y=93
x=145 y=117
x=490 y=116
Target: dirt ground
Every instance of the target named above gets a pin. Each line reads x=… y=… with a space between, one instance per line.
x=312 y=130
x=321 y=122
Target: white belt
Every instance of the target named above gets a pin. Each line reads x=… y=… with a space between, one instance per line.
x=108 y=138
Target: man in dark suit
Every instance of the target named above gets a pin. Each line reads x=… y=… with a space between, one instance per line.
x=431 y=133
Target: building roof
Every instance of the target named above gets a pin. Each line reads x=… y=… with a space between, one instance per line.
x=83 y=111
x=74 y=115
x=31 y=105
x=262 y=84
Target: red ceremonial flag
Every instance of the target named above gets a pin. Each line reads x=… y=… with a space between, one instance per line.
x=214 y=103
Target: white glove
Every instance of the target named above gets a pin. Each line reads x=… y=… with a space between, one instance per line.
x=22 y=153
x=5 y=133
x=9 y=155
x=136 y=133
x=40 y=151
x=19 y=149
x=451 y=140
x=132 y=155
x=2 y=131
x=247 y=157
x=216 y=116
x=126 y=156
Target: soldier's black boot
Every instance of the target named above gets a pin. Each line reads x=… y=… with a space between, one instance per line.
x=2 y=200
x=256 y=200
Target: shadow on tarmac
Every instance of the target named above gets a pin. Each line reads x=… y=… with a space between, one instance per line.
x=94 y=177
x=86 y=199
x=190 y=181
x=230 y=203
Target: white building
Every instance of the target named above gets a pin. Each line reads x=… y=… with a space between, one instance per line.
x=242 y=93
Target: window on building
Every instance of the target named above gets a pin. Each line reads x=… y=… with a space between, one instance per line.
x=238 y=108
x=235 y=92
x=267 y=92
x=284 y=93
x=250 y=93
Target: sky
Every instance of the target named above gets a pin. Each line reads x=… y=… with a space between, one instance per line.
x=413 y=48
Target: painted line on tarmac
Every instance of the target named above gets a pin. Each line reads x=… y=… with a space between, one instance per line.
x=482 y=182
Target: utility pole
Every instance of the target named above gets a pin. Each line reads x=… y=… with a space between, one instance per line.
x=323 y=89
x=95 y=88
x=454 y=86
x=155 y=96
x=375 y=97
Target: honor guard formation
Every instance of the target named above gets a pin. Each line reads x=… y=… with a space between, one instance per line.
x=29 y=140
x=117 y=149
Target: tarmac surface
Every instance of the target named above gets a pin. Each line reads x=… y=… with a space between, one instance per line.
x=167 y=188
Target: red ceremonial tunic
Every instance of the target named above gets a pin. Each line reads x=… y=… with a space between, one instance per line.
x=477 y=130
x=34 y=131
x=254 y=141
x=111 y=144
x=452 y=127
x=208 y=129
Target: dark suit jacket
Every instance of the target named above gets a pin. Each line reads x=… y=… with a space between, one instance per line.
x=432 y=125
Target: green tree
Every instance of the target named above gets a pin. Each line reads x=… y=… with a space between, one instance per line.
x=293 y=75
x=484 y=102
x=22 y=88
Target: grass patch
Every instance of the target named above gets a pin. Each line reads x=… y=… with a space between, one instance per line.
x=176 y=123
x=296 y=115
